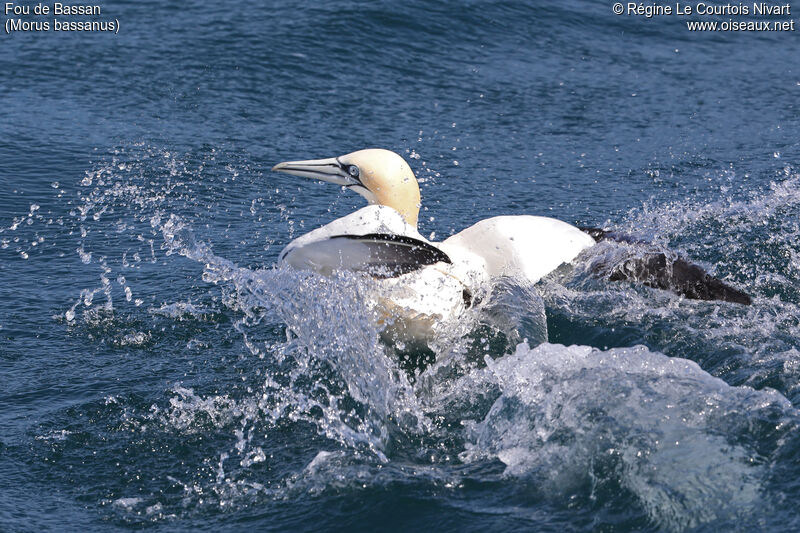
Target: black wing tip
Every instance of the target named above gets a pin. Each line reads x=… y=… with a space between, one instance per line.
x=717 y=289
x=695 y=283
x=435 y=253
x=394 y=255
x=738 y=297
x=679 y=276
x=597 y=234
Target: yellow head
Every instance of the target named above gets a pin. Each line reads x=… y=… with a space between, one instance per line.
x=380 y=176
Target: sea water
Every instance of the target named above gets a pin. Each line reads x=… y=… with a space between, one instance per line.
x=158 y=371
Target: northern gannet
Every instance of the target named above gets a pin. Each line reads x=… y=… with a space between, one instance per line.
x=427 y=282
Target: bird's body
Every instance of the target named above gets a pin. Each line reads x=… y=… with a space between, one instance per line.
x=417 y=297
x=422 y=283
x=524 y=247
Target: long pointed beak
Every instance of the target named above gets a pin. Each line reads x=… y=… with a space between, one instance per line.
x=329 y=170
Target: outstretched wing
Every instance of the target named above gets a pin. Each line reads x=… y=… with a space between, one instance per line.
x=656 y=269
x=380 y=255
x=679 y=276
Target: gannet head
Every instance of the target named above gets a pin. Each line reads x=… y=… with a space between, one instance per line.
x=380 y=176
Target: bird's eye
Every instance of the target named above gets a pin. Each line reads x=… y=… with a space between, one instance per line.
x=353 y=171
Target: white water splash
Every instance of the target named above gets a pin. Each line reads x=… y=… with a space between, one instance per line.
x=661 y=427
x=570 y=422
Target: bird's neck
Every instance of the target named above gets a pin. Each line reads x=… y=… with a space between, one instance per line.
x=404 y=201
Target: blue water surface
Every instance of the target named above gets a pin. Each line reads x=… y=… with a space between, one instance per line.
x=148 y=377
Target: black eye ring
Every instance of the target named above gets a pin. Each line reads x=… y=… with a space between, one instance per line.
x=353 y=171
